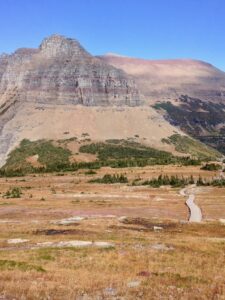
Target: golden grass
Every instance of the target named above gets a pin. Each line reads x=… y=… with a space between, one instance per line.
x=192 y=269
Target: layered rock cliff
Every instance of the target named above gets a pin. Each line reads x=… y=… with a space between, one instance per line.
x=61 y=71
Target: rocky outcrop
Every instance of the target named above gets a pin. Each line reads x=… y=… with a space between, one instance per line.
x=61 y=71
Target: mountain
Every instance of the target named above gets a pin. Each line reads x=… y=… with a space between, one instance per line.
x=61 y=91
x=61 y=71
x=169 y=79
x=189 y=93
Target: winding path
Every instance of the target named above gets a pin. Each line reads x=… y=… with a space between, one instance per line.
x=194 y=209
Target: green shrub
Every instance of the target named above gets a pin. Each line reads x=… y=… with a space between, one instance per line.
x=22 y=266
x=14 y=192
x=213 y=182
x=211 y=167
x=90 y=172
x=176 y=181
x=196 y=149
x=11 y=173
x=108 y=179
x=173 y=181
x=49 y=155
x=125 y=150
x=218 y=182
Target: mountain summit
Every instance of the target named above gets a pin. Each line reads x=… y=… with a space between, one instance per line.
x=62 y=71
x=57 y=45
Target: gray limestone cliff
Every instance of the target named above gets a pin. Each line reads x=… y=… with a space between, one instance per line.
x=61 y=71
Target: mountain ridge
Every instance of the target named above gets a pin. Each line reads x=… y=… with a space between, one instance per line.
x=69 y=72
x=164 y=79
x=162 y=60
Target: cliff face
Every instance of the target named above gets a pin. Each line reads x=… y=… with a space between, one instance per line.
x=61 y=71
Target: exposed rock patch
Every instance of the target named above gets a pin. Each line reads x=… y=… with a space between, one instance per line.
x=74 y=244
x=69 y=221
x=17 y=241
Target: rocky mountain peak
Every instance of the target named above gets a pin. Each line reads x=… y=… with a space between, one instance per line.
x=55 y=45
x=61 y=71
x=3 y=55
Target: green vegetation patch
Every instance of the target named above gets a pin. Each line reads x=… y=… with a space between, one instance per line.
x=185 y=144
x=14 y=192
x=49 y=155
x=114 y=153
x=22 y=266
x=90 y=172
x=175 y=181
x=214 y=182
x=108 y=179
x=211 y=167
x=45 y=254
x=124 y=153
x=123 y=150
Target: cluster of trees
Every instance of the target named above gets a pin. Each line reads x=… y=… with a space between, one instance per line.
x=176 y=181
x=213 y=182
x=121 y=154
x=108 y=179
x=211 y=167
x=106 y=151
x=113 y=163
x=173 y=181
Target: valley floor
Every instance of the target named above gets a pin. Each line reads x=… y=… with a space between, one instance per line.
x=150 y=251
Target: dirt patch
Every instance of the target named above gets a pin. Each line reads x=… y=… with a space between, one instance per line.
x=83 y=157
x=33 y=160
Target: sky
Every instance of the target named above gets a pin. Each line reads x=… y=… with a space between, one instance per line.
x=151 y=29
